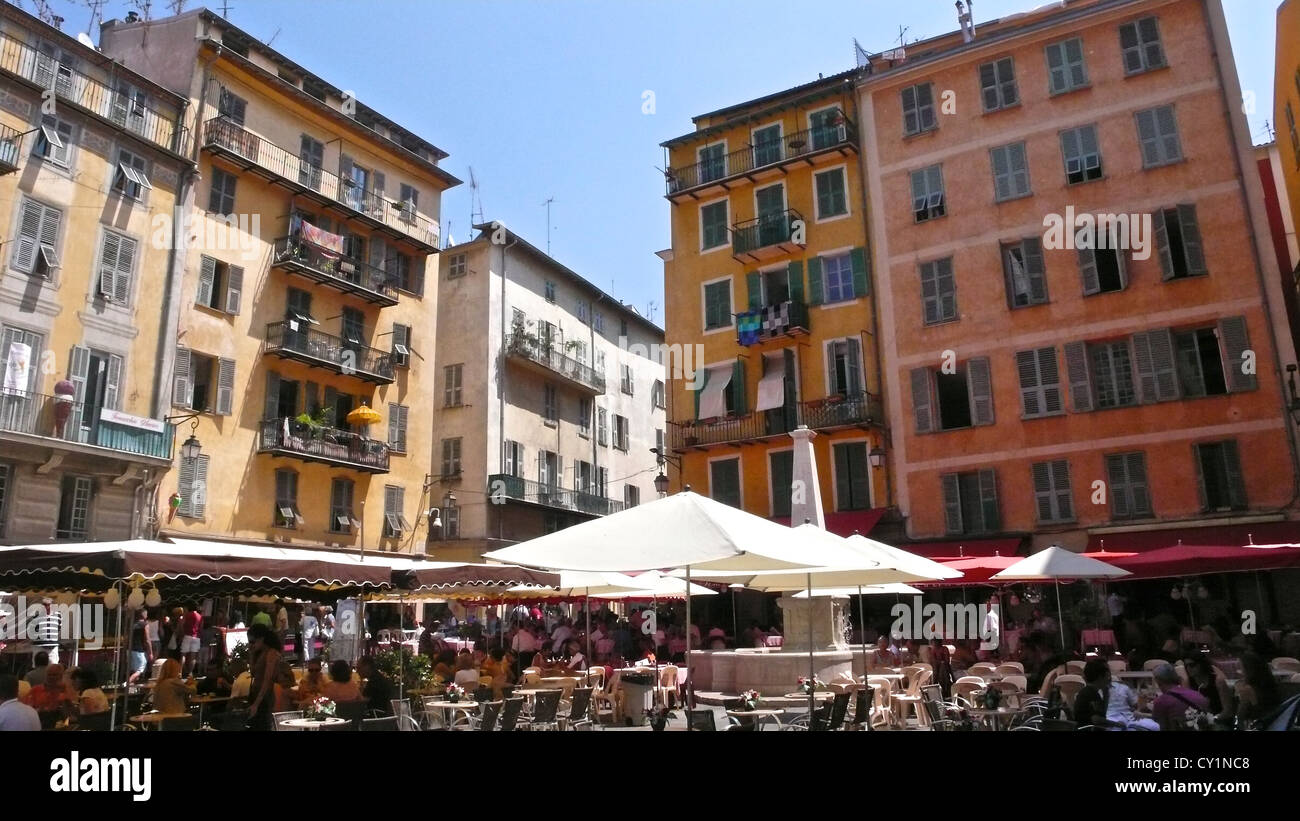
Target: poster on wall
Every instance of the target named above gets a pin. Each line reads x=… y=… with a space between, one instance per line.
x=347 y=631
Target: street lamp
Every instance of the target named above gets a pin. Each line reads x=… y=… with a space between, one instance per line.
x=877 y=456
x=661 y=481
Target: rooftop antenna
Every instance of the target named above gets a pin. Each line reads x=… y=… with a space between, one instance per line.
x=273 y=36
x=650 y=310
x=225 y=9
x=176 y=6
x=96 y=12
x=548 y=202
x=965 y=17
x=475 y=205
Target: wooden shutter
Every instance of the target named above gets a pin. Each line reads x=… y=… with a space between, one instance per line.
x=1076 y=368
x=947 y=288
x=185 y=486
x=815 y=281
x=378 y=181
x=1193 y=250
x=923 y=400
x=1061 y=488
x=737 y=387
x=1135 y=465
x=1042 y=477
x=199 y=488
x=852 y=367
x=754 y=285
x=225 y=386
x=311 y=399
x=1162 y=244
x=930 y=292
x=234 y=288
x=1232 y=466
x=1117 y=478
x=952 y=503
x=980 y=382
x=1234 y=340
x=861 y=282
x=1031 y=403
x=1049 y=378
x=49 y=234
x=794 y=275
x=1153 y=354
x=29 y=230
x=989 y=500
x=271 y=407
x=207 y=280
x=182 y=382
x=1088 y=271
x=125 y=265
x=108 y=254
x=1035 y=270
x=78 y=373
x=113 y=383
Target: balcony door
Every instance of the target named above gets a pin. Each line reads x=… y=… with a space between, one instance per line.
x=20 y=355
x=827 y=128
x=298 y=320
x=311 y=156
x=776 y=287
x=767 y=145
x=770 y=204
x=97 y=378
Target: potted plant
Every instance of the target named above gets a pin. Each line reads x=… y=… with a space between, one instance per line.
x=807 y=685
x=319 y=709
x=749 y=701
x=659 y=718
x=414 y=671
x=455 y=693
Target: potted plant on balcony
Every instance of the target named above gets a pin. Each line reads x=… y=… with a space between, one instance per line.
x=316 y=425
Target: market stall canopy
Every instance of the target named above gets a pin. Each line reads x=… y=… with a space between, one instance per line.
x=1058 y=563
x=1194 y=560
x=896 y=589
x=656 y=585
x=682 y=530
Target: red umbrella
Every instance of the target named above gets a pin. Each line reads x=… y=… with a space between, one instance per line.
x=1195 y=560
x=976 y=570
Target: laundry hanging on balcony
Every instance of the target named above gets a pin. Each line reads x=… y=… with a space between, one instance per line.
x=713 y=396
x=749 y=327
x=331 y=244
x=771 y=388
x=776 y=319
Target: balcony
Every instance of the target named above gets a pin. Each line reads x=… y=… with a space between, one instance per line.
x=11 y=148
x=289 y=437
x=754 y=163
x=780 y=321
x=250 y=152
x=769 y=236
x=296 y=339
x=549 y=362
x=120 y=107
x=105 y=433
x=523 y=490
x=350 y=276
x=860 y=411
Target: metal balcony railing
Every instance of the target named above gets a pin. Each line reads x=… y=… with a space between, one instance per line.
x=296 y=339
x=767 y=231
x=11 y=148
x=772 y=322
x=524 y=490
x=35 y=414
x=764 y=155
x=820 y=414
x=536 y=351
x=223 y=134
x=289 y=437
x=344 y=273
x=119 y=106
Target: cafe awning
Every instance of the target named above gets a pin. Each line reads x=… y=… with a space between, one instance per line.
x=713 y=400
x=1195 y=560
x=1235 y=535
x=771 y=388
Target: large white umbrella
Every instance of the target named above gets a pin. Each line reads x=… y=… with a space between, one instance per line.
x=1056 y=563
x=656 y=585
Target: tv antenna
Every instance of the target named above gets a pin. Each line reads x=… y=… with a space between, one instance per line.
x=475 y=204
x=273 y=36
x=96 y=12
x=225 y=9
x=650 y=310
x=548 y=202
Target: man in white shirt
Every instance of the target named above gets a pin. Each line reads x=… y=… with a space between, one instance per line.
x=310 y=626
x=991 y=631
x=14 y=715
x=524 y=644
x=1121 y=701
x=560 y=636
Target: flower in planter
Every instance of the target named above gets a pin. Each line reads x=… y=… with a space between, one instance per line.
x=320 y=709
x=749 y=700
x=455 y=693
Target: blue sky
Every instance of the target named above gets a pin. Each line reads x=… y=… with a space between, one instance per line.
x=544 y=98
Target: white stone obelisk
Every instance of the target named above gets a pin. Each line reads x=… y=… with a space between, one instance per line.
x=805 y=491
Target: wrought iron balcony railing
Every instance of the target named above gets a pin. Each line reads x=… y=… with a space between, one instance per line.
x=501 y=485
x=721 y=169
x=296 y=339
x=855 y=410
x=777 y=232
x=533 y=350
x=289 y=437
x=35 y=414
x=344 y=273
x=11 y=148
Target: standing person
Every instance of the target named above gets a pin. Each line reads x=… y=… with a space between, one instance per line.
x=379 y=691
x=265 y=662
x=191 y=640
x=524 y=646
x=14 y=715
x=281 y=621
x=310 y=626
x=991 y=630
x=152 y=632
x=36 y=675
x=1257 y=690
x=172 y=633
x=140 y=649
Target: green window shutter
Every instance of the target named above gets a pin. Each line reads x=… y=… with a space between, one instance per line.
x=815 y=281
x=738 y=387
x=795 y=275
x=989 y=500
x=271 y=408
x=951 y=504
x=704 y=380
x=225 y=386
x=858 y=258
x=1234 y=339
x=1232 y=465
x=755 y=287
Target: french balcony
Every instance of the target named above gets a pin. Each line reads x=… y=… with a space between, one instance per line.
x=863 y=410
x=754 y=164
x=780 y=321
x=118 y=106
x=295 y=339
x=515 y=488
x=541 y=358
x=769 y=236
x=251 y=153
x=342 y=273
x=74 y=426
x=313 y=443
x=11 y=148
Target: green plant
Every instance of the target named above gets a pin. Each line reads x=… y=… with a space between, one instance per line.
x=414 y=671
x=323 y=419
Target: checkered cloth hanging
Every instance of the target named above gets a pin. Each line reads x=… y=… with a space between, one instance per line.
x=776 y=319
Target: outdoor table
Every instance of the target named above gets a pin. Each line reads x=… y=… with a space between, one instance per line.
x=774 y=641
x=156 y=719
x=1098 y=638
x=312 y=723
x=819 y=694
x=757 y=716
x=446 y=707
x=994 y=717
x=205 y=700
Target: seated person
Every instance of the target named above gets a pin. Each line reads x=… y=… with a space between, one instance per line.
x=215 y=682
x=53 y=694
x=577 y=661
x=90 y=699
x=445 y=669
x=887 y=654
x=380 y=691
x=1171 y=706
x=340 y=686
x=309 y=689
x=498 y=669
x=1090 y=703
x=1122 y=704
x=285 y=688
x=171 y=693
x=466 y=674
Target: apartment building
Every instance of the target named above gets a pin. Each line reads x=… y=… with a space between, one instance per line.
x=768 y=287
x=552 y=397
x=91 y=156
x=1063 y=390
x=1286 y=101
x=302 y=336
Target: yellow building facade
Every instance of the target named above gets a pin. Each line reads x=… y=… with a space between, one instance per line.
x=1286 y=100
x=768 y=296
x=304 y=298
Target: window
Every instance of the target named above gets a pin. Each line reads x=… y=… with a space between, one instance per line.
x=401 y=353
x=1200 y=367
x=397 y=416
x=767 y=145
x=408 y=201
x=221 y=285
x=1291 y=127
x=1112 y=374
x=1026 y=280
x=36 y=247
x=1139 y=42
x=116 y=266
x=713 y=162
x=582 y=312
x=724 y=481
x=598 y=362
x=1079 y=149
x=844 y=358
x=1178 y=241
x=231 y=106
x=311 y=156
x=132 y=177
x=395 y=523
x=458 y=266
x=832 y=197
x=626 y=384
x=970 y=503
x=928 y=200
x=583 y=476
x=53 y=141
x=598 y=323
x=1040 y=383
x=602 y=426
x=717 y=305
x=286 y=499
x=852 y=476
x=451 y=522
x=1066 y=70
x=451 y=456
x=221 y=196
x=193 y=487
x=943 y=401
x=657 y=394
x=74 y=508
x=580 y=350
x=1010 y=172
x=341 y=493
x=514 y=459
x=548 y=469
x=1052 y=491
x=204 y=383
x=620 y=432
x=631 y=496
x=938 y=291
x=918 y=109
x=1158 y=135
x=781 y=465
x=998 y=84
x=1218 y=472
x=1127 y=475
x=584 y=417
x=550 y=408
x=405 y=273
x=828 y=127
x=713 y=225
x=451 y=392
x=549 y=291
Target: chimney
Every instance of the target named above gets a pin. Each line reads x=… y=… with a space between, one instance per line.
x=965 y=17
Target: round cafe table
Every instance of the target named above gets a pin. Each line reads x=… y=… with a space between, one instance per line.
x=313 y=724
x=758 y=716
x=154 y=719
x=445 y=708
x=993 y=718
x=203 y=701
x=817 y=694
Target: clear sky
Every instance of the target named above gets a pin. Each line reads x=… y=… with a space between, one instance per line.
x=544 y=98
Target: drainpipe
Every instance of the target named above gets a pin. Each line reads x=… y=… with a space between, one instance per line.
x=501 y=379
x=591 y=330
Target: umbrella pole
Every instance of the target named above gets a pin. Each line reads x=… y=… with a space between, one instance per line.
x=586 y=603
x=401 y=646
x=690 y=691
x=812 y=661
x=1191 y=614
x=117 y=663
x=1060 y=620
x=862 y=633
